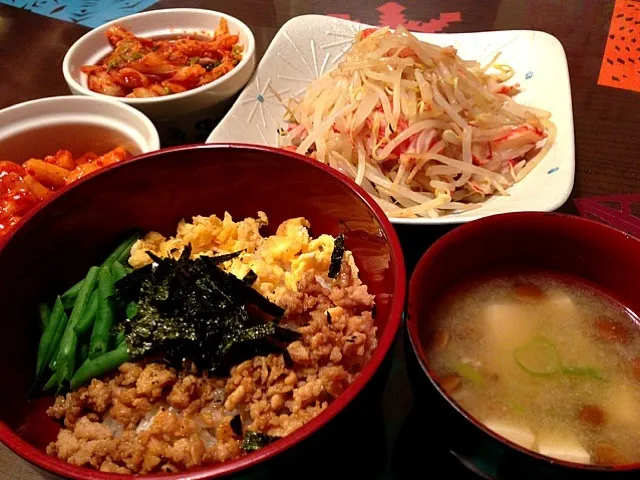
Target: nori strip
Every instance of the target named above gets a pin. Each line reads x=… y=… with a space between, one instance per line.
x=253 y=441
x=250 y=278
x=240 y=288
x=288 y=361
x=192 y=310
x=336 y=256
x=225 y=258
x=236 y=425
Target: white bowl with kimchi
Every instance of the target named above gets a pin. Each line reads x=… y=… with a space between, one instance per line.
x=438 y=128
x=166 y=63
x=49 y=143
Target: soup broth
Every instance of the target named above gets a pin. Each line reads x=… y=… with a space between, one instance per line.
x=548 y=363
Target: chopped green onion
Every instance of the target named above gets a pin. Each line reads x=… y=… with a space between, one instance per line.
x=586 y=372
x=193 y=60
x=210 y=66
x=538 y=357
x=468 y=372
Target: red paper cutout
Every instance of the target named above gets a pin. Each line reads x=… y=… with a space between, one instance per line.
x=621 y=218
x=391 y=15
x=344 y=16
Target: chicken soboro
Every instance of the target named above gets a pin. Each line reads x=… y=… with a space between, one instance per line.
x=149 y=417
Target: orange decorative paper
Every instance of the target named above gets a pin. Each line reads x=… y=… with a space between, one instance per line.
x=621 y=61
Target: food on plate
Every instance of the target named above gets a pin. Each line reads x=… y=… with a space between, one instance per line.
x=202 y=346
x=24 y=186
x=422 y=130
x=141 y=67
x=548 y=363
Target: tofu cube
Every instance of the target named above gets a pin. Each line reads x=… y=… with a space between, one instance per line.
x=508 y=325
x=563 y=308
x=623 y=403
x=518 y=434
x=563 y=446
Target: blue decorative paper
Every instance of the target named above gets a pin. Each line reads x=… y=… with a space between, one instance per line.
x=90 y=13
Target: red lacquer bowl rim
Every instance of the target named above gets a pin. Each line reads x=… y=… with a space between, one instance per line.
x=385 y=341
x=466 y=233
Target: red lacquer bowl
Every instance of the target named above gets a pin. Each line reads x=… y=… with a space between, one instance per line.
x=54 y=245
x=584 y=250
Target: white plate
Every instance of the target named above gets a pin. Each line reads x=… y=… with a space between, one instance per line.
x=309 y=45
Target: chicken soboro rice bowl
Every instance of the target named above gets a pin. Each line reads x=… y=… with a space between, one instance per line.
x=151 y=416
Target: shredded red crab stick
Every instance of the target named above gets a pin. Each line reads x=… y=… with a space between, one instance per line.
x=422 y=130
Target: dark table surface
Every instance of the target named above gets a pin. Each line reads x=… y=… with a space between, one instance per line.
x=605 y=83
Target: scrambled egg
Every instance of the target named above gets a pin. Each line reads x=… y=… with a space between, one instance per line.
x=280 y=261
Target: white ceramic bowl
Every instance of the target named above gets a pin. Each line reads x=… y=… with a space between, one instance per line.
x=41 y=127
x=93 y=47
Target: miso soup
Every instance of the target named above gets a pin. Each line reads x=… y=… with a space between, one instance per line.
x=548 y=363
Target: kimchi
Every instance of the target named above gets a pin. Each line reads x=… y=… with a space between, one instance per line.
x=141 y=67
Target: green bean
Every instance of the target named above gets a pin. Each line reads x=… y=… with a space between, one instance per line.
x=46 y=340
x=105 y=316
x=131 y=310
x=118 y=271
x=66 y=363
x=58 y=322
x=53 y=363
x=55 y=344
x=120 y=338
x=120 y=254
x=45 y=315
x=67 y=353
x=69 y=297
x=89 y=314
x=99 y=366
x=53 y=380
x=83 y=353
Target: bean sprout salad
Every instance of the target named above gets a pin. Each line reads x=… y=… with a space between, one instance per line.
x=423 y=131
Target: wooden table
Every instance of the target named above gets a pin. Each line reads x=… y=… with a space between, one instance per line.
x=606 y=118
